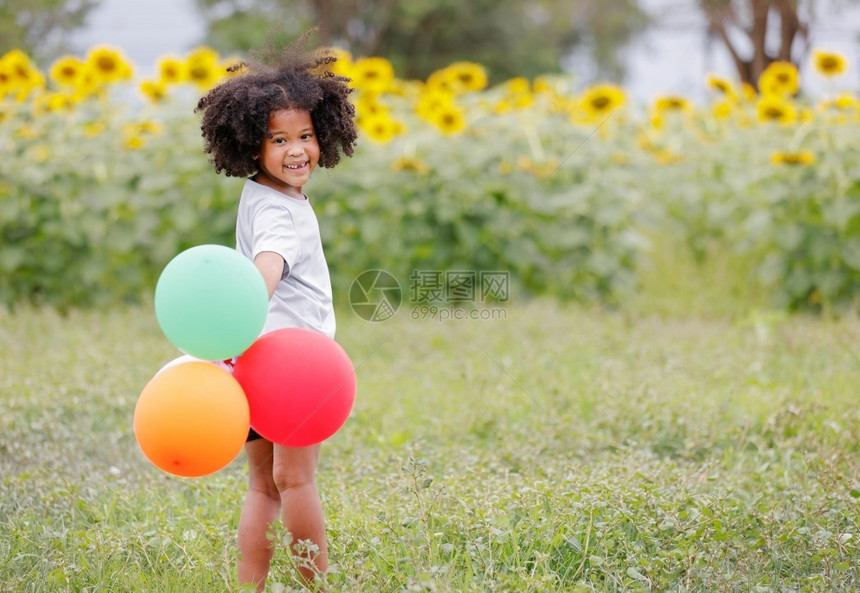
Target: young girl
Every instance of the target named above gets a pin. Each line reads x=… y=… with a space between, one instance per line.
x=274 y=123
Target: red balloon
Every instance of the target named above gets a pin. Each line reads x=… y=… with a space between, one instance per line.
x=300 y=386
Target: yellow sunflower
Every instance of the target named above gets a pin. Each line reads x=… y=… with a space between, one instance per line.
x=440 y=82
x=379 y=128
x=5 y=80
x=372 y=75
x=723 y=109
x=342 y=66
x=88 y=84
x=172 y=70
x=828 y=63
x=773 y=108
x=502 y=107
x=406 y=163
x=842 y=109
x=154 y=90
x=846 y=102
x=19 y=74
x=779 y=78
x=232 y=66
x=108 y=64
x=368 y=105
x=517 y=86
x=721 y=85
x=135 y=134
x=69 y=71
x=203 y=68
x=803 y=157
x=599 y=101
x=544 y=85
x=53 y=103
x=466 y=76
x=431 y=102
x=410 y=89
x=672 y=104
x=450 y=120
x=18 y=66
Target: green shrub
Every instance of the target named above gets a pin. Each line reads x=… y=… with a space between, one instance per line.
x=93 y=203
x=90 y=218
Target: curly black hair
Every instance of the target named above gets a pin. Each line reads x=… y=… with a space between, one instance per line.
x=236 y=112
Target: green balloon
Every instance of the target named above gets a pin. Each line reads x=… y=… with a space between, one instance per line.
x=211 y=302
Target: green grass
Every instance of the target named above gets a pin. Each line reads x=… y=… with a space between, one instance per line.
x=560 y=449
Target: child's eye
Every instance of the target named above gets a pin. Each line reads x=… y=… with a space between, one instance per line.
x=278 y=140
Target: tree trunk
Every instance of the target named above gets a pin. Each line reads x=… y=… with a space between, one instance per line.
x=722 y=17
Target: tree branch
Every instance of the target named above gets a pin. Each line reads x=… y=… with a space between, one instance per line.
x=758 y=35
x=790 y=26
x=718 y=16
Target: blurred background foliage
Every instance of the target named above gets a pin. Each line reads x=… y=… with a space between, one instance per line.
x=39 y=27
x=575 y=190
x=509 y=37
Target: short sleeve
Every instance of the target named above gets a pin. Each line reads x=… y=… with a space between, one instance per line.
x=275 y=231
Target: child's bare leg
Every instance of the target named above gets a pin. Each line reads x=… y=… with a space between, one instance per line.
x=261 y=510
x=294 y=473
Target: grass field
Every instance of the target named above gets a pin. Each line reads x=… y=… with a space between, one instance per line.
x=559 y=449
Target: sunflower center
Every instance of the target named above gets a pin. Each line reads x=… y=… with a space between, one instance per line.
x=601 y=102
x=106 y=64
x=773 y=113
x=198 y=72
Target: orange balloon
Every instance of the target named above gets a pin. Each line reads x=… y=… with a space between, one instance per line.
x=191 y=419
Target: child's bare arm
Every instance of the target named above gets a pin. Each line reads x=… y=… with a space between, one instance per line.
x=271 y=266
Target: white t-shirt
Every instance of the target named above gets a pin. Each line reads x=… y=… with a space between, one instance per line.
x=271 y=221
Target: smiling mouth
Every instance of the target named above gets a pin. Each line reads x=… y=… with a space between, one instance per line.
x=296 y=167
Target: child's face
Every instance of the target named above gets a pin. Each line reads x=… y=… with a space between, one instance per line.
x=287 y=159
